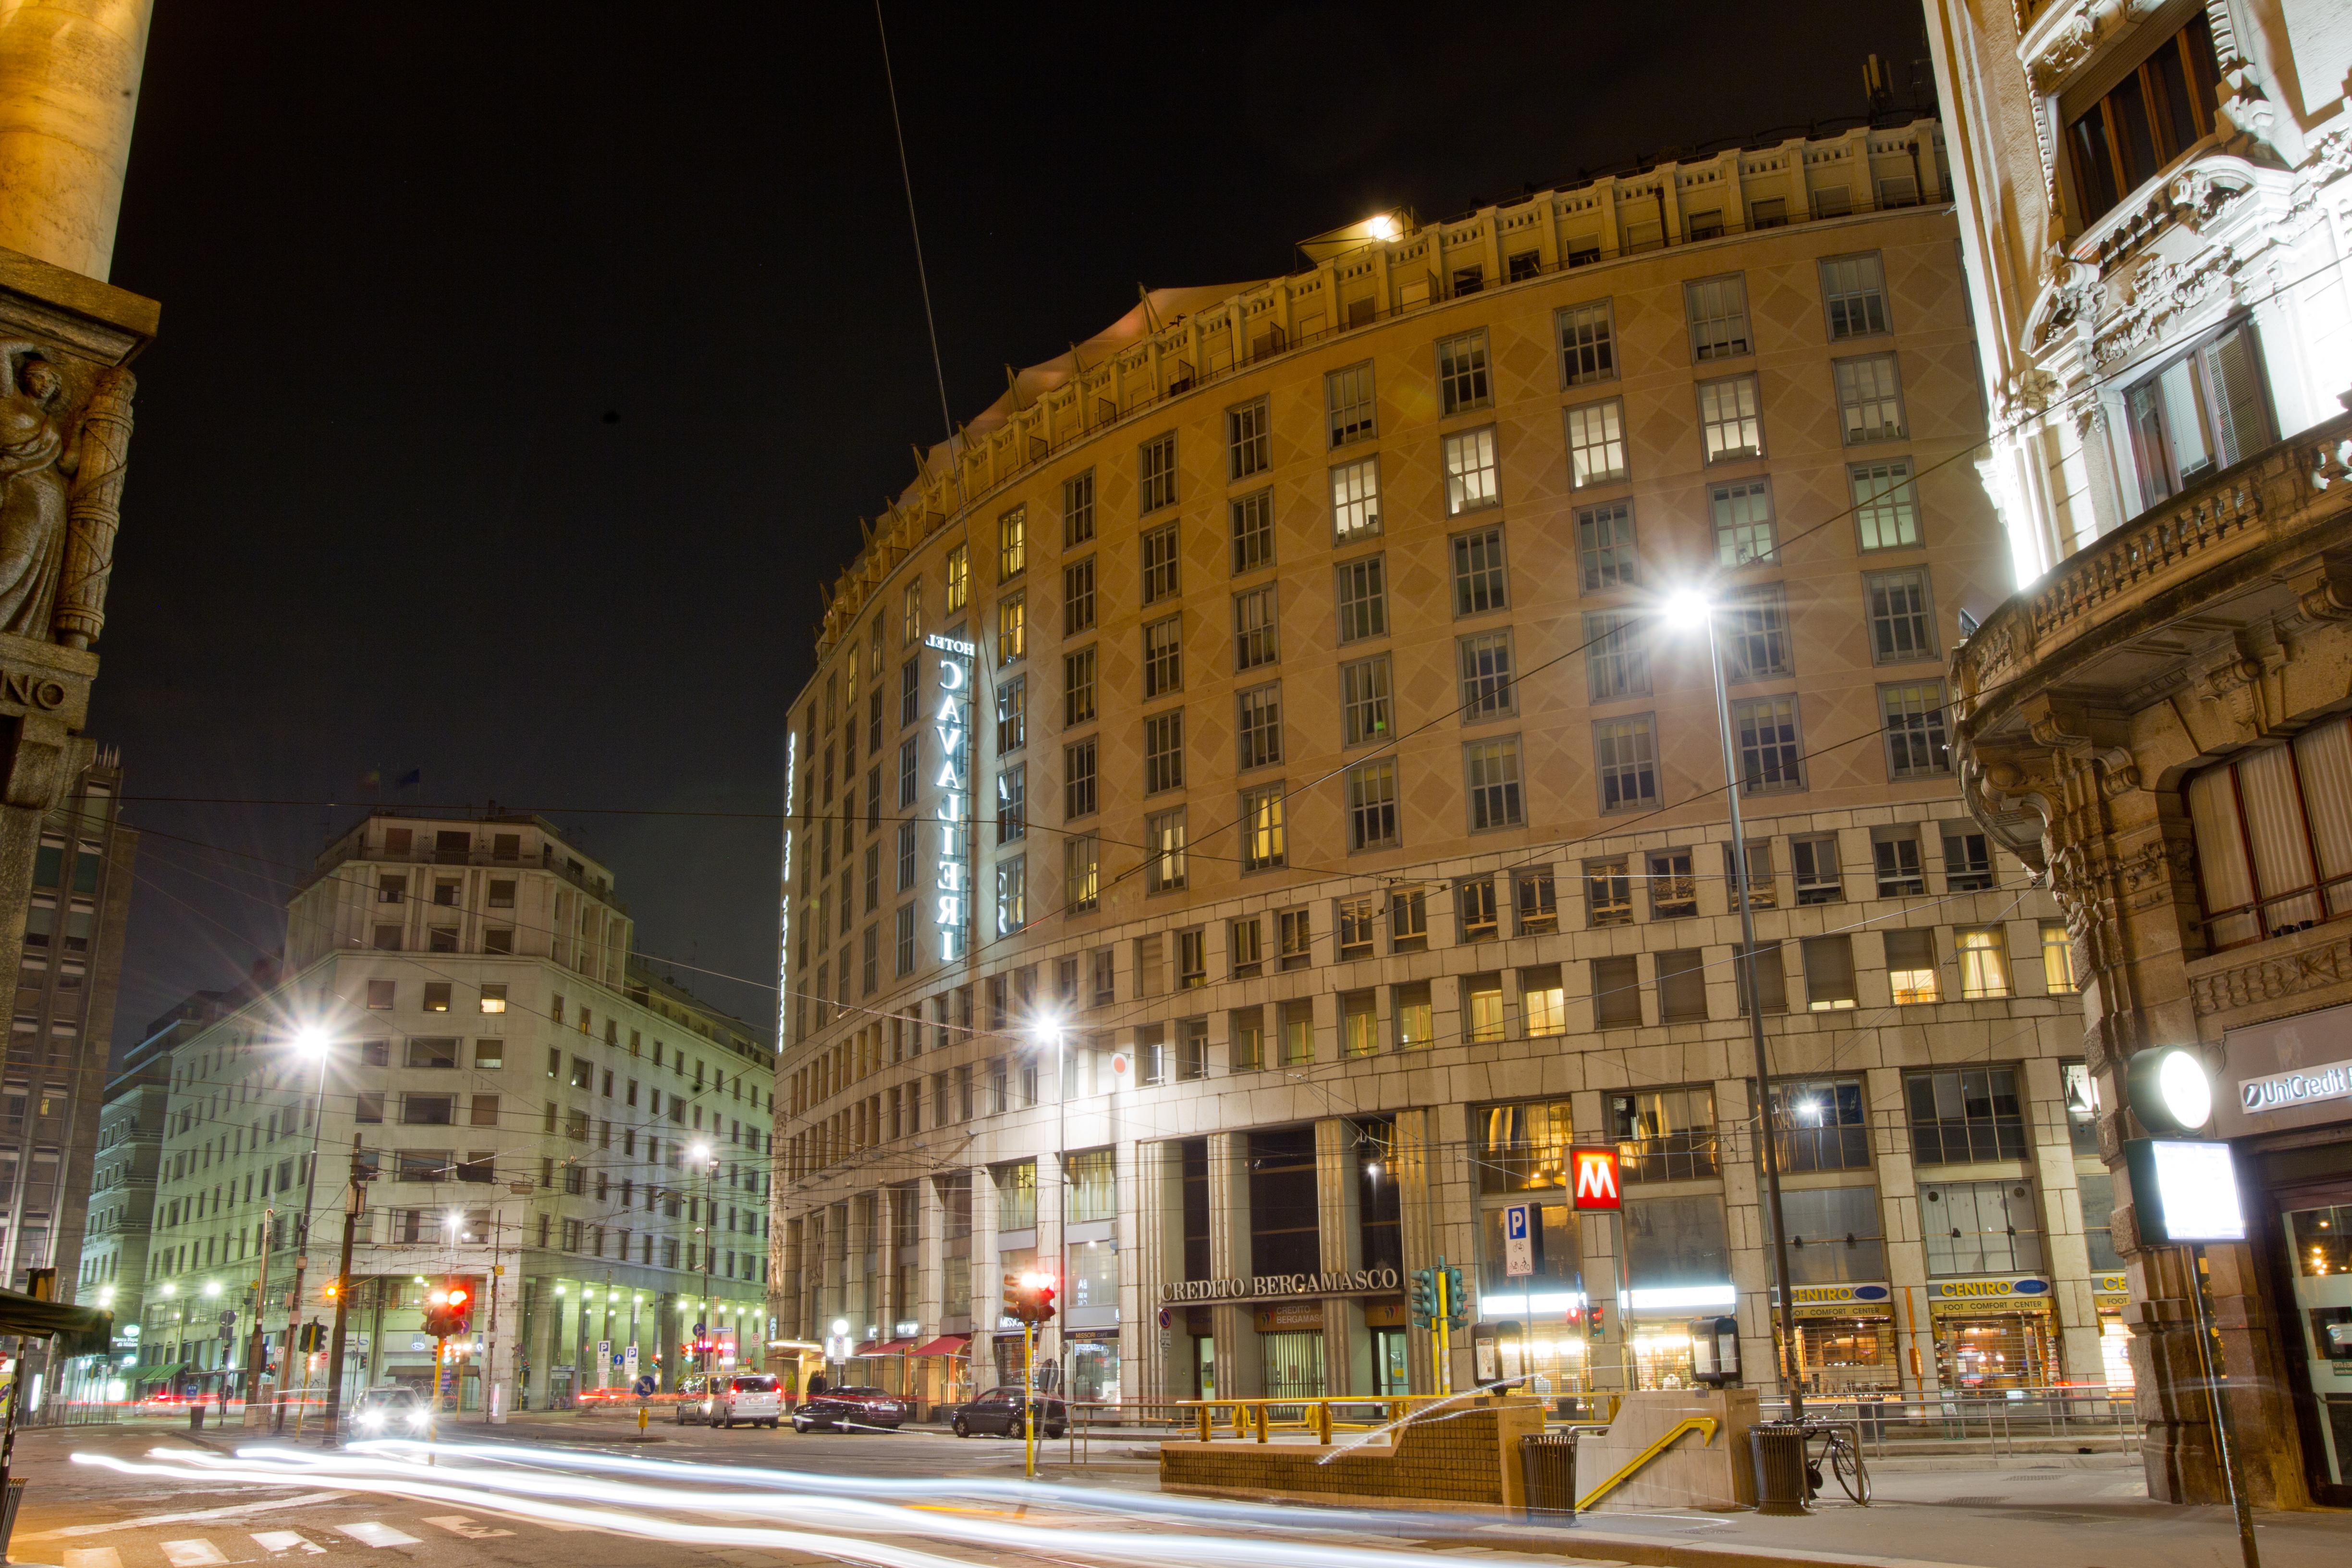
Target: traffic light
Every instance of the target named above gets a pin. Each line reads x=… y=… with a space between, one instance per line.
x=1457 y=1299
x=1424 y=1303
x=448 y=1308
x=1029 y=1298
x=311 y=1337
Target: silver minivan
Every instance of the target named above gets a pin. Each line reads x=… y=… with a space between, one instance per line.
x=750 y=1397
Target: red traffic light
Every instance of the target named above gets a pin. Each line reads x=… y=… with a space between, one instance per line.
x=448 y=1308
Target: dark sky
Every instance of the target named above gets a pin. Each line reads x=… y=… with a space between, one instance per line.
x=523 y=368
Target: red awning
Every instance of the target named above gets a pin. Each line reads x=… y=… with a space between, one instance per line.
x=883 y=1347
x=946 y=1345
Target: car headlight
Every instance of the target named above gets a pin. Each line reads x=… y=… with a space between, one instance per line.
x=370 y=1419
x=421 y=1420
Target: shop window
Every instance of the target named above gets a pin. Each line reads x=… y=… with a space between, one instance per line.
x=1835 y=1236
x=1666 y=1136
x=1980 y=1227
x=1676 y=1245
x=1819 y=1124
x=2160 y=107
x=1965 y=1114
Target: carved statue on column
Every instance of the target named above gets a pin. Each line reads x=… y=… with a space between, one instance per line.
x=61 y=473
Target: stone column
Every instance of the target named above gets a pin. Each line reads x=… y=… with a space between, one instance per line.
x=1907 y=1252
x=1599 y=1236
x=1149 y=1259
x=1409 y=1160
x=1454 y=1215
x=69 y=72
x=2065 y=1252
x=1346 y=1346
x=1240 y=1373
x=1747 y=1230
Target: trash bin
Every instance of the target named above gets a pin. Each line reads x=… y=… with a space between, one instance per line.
x=1779 y=1447
x=197 y=1416
x=1548 y=1466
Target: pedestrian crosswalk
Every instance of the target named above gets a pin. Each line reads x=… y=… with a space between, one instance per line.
x=269 y=1545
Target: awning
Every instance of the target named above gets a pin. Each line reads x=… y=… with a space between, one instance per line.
x=79 y=1331
x=946 y=1345
x=882 y=1347
x=159 y=1373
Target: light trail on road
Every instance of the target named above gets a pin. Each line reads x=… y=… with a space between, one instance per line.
x=810 y=1512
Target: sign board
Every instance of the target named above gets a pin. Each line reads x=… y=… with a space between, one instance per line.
x=2303 y=1085
x=2002 y=1291
x=604 y=1362
x=629 y=1363
x=1122 y=1069
x=952 y=722
x=1518 y=1242
x=1167 y=1318
x=2184 y=1190
x=1167 y=1339
x=1597 y=1185
x=644 y=1387
x=1336 y=1282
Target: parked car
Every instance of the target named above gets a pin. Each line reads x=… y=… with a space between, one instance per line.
x=850 y=1409
x=392 y=1412
x=998 y=1411
x=692 y=1391
x=750 y=1397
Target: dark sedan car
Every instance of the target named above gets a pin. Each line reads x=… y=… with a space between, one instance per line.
x=850 y=1409
x=999 y=1411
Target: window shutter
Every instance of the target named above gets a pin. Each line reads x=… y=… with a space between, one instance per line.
x=1829 y=969
x=2239 y=406
x=1616 y=993
x=1682 y=985
x=1771 y=980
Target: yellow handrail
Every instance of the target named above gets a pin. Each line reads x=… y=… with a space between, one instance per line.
x=1704 y=1425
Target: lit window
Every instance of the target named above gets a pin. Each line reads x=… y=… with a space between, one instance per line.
x=1163 y=850
x=1984 y=963
x=1885 y=506
x=1263 y=840
x=1012 y=629
x=1743 y=523
x=1870 y=400
x=1596 y=443
x=1911 y=971
x=1012 y=543
x=1728 y=417
x=2058 y=957
x=959 y=577
x=1471 y=481
x=1356 y=499
x=1588 y=344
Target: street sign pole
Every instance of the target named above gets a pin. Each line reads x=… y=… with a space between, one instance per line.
x=1029 y=1399
x=2224 y=1430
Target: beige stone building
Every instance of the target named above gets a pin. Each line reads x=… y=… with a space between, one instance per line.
x=1268 y=697
x=2154 y=210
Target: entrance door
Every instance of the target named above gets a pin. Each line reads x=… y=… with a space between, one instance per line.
x=1205 y=1366
x=1391 y=1374
x=1294 y=1365
x=2319 y=1244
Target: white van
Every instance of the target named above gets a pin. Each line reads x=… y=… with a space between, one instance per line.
x=750 y=1397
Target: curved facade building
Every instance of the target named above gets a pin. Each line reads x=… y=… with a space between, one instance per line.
x=1248 y=822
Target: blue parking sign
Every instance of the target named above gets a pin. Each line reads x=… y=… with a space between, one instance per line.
x=1518 y=1240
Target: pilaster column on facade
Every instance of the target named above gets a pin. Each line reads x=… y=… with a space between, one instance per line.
x=1600 y=1267
x=1604 y=193
x=931 y=1254
x=987 y=1279
x=2067 y=1255
x=1239 y=1371
x=1898 y=1212
x=857 y=1301
x=1454 y=1212
x=499 y=1381
x=1151 y=1253
x=1409 y=1160
x=1053 y=1215
x=1748 y=1231
x=1339 y=1200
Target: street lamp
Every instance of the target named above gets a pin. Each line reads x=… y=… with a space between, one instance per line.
x=310 y=1040
x=1688 y=609
x=705 y=1156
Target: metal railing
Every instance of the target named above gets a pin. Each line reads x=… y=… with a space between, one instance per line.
x=1884 y=1424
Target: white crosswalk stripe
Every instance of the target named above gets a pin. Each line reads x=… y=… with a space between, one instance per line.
x=198 y=1553
x=92 y=1557
x=275 y=1540
x=367 y=1532
x=458 y=1524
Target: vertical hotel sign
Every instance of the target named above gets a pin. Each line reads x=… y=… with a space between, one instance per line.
x=951 y=862
x=785 y=892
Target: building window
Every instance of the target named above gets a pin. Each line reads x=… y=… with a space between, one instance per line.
x=2202 y=413
x=1481 y=1008
x=1408 y=920
x=906 y=857
x=1415 y=1018
x=1853 y=292
x=1771 y=756
x=1682 y=986
x=1348 y=401
x=1963 y=1115
x=959 y=574
x=904 y=945
x=1079 y=596
x=1192 y=959
x=1012 y=629
x=1828 y=973
x=1359 y=1024
x=1258 y=734
x=1815 y=863
x=1533 y=895
x=1462 y=372
x=1980 y=1227
x=1488 y=690
x=2160 y=107
x=1155 y=473
x=1358 y=926
x=1755 y=623
x=1917 y=745
x=1667 y=1135
x=1364 y=699
x=1356 y=499
x=1253 y=521
x=910 y=678
x=1363 y=599
x=1885 y=506
x=1608 y=893
x=1081 y=871
x=1297 y=1034
x=1078 y=509
x=1473 y=906
x=1728 y=417
x=908 y=754
x=911 y=614
x=1743 y=522
x=1012 y=806
x=2058 y=974
x=1296 y=936
x=1264 y=845
x=1245 y=948
x=1163 y=849
x=1968 y=862
x=1717 y=310
x=1588 y=344
x=1013 y=715
x=1604 y=547
x=1159 y=564
x=1471 y=481
x=1911 y=968
x=1249 y=448
x=1163 y=657
x=1616 y=990
x=1372 y=805
x=1079 y=687
x=1760 y=886
x=1674 y=886
x=1616 y=656
x=1625 y=754
x=1254 y=629
x=1895 y=855
x=1870 y=400
x=1984 y=962
x=1012 y=543
x=1901 y=623
x=1163 y=751
x=2273 y=844
x=1492 y=768
x=1596 y=444
x=1543 y=1000
x=1479 y=581
x=1761 y=968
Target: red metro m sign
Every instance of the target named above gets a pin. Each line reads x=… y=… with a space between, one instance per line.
x=1596 y=1178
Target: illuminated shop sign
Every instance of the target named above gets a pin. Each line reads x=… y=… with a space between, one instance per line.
x=2284 y=1091
x=952 y=879
x=1597 y=1178
x=1337 y=1282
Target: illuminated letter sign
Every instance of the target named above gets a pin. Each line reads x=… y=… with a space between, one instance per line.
x=1596 y=1178
x=952 y=722
x=784 y=897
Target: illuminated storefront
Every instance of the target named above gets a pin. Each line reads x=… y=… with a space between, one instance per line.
x=1847 y=1339
x=1992 y=1334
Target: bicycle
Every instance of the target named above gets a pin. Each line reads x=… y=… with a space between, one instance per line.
x=1842 y=1455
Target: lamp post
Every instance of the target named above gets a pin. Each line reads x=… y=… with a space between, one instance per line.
x=312 y=1041
x=705 y=1156
x=1687 y=607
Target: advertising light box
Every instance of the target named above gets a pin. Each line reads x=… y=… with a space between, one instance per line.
x=2184 y=1192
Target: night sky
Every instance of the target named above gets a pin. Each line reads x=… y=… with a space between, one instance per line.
x=524 y=368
